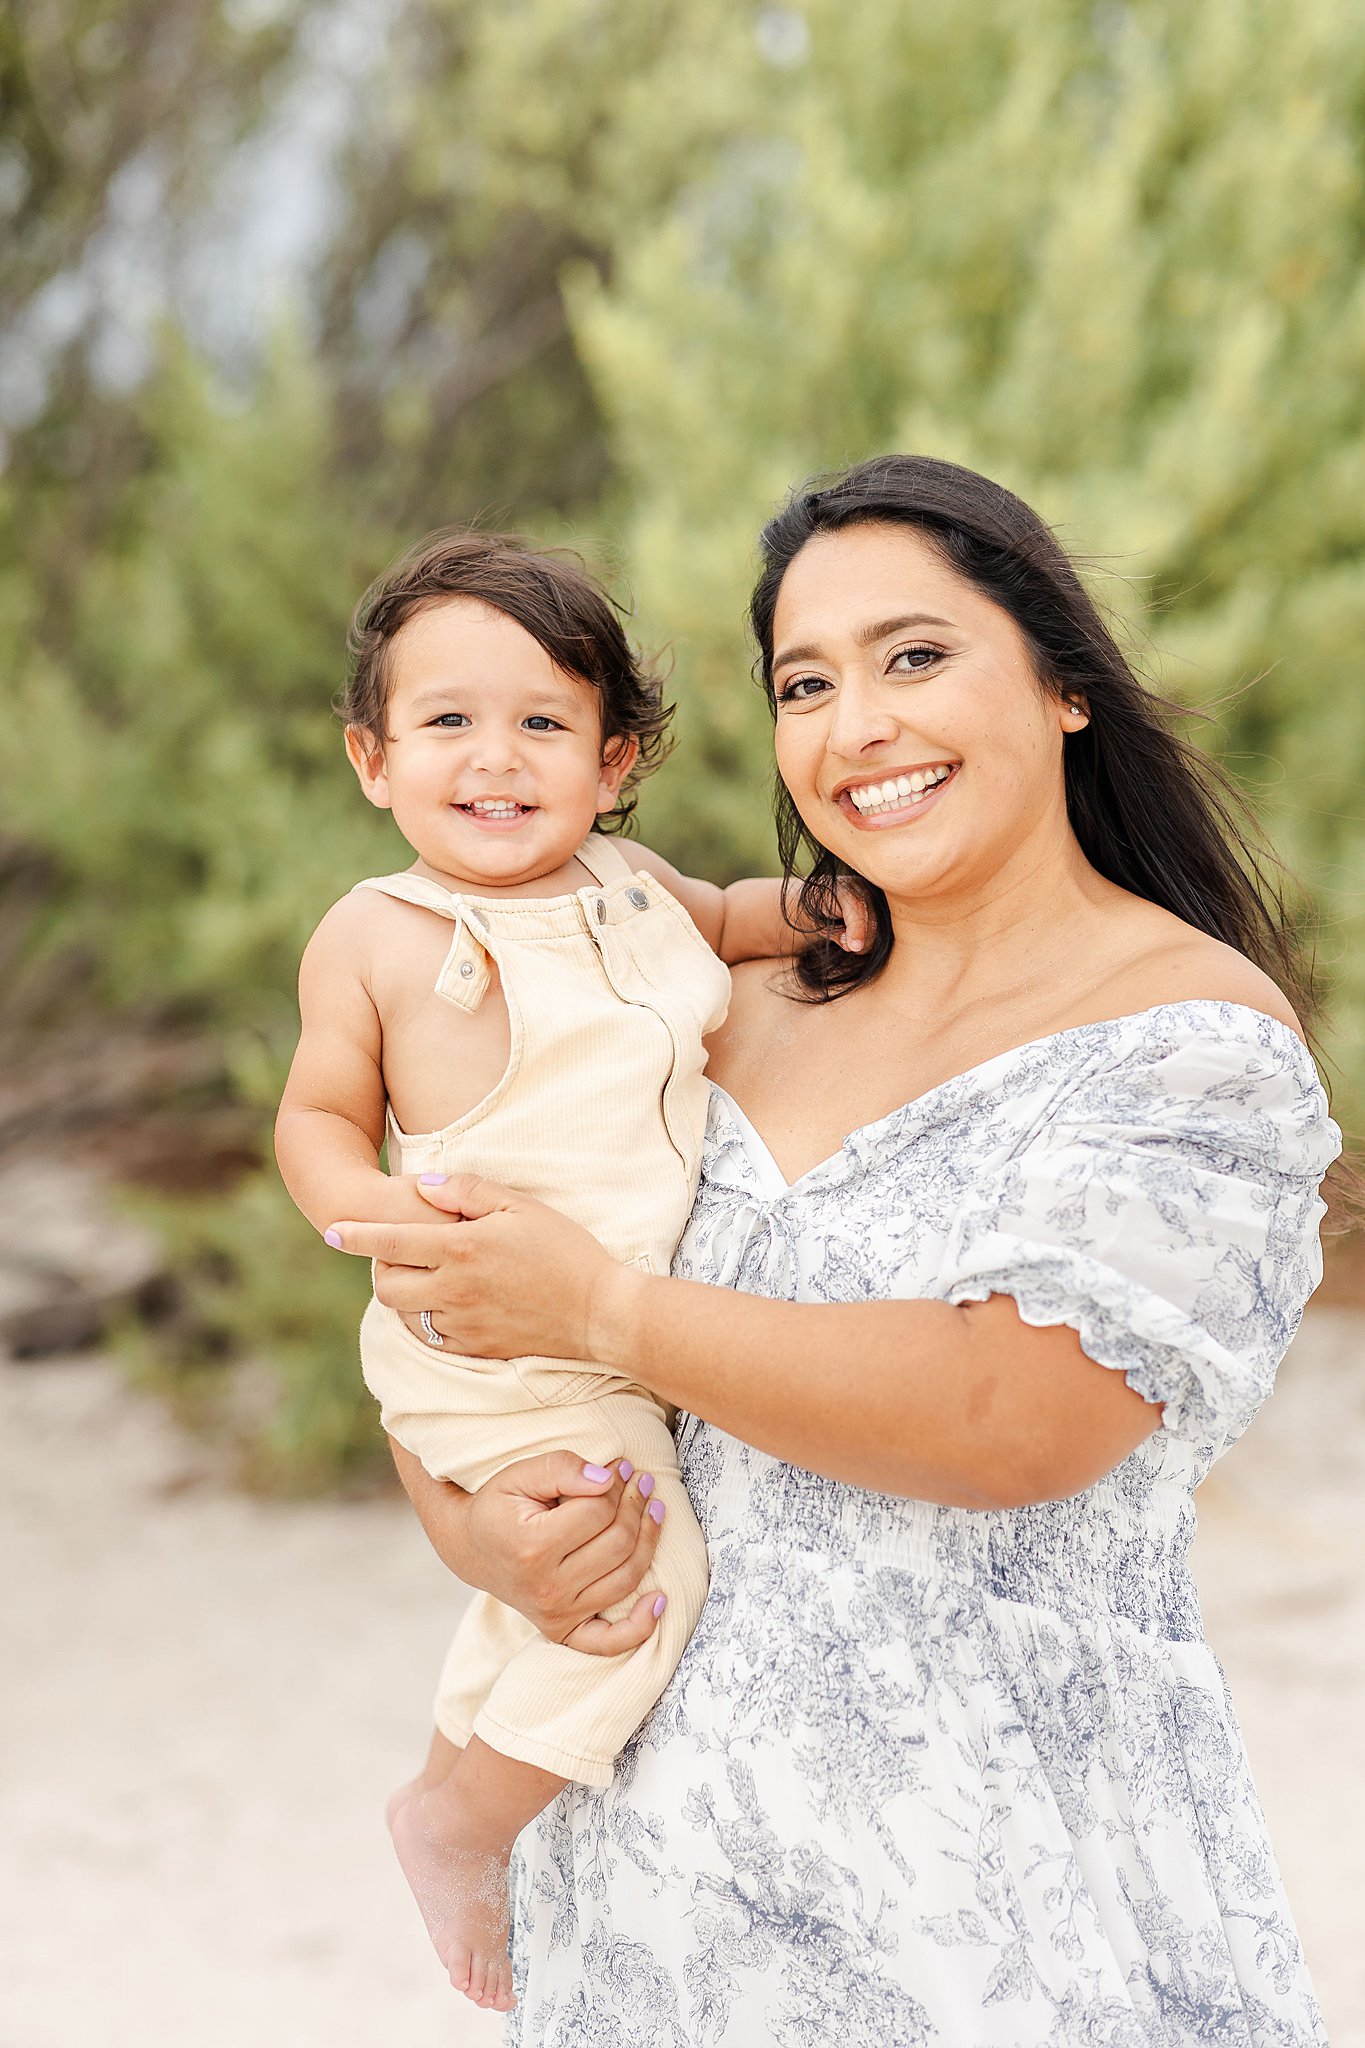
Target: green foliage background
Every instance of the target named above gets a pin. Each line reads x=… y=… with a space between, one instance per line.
x=621 y=272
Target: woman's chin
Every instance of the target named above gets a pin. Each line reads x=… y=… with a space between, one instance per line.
x=900 y=864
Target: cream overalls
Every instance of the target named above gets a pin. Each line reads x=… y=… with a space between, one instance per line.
x=600 y=1113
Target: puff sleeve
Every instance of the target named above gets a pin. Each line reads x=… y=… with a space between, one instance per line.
x=1167 y=1210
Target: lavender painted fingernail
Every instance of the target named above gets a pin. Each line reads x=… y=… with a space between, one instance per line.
x=625 y=1468
x=660 y=1604
x=433 y=1180
x=597 y=1473
x=646 y=1484
x=333 y=1238
x=656 y=1511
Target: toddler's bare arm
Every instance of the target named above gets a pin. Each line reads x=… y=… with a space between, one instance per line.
x=746 y=921
x=331 y=1119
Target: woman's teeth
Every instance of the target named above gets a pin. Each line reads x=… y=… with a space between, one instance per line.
x=873 y=797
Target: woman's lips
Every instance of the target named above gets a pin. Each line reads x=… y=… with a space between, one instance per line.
x=904 y=813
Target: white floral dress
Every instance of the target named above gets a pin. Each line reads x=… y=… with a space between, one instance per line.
x=934 y=1775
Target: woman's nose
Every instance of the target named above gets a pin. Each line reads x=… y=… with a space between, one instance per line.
x=861 y=720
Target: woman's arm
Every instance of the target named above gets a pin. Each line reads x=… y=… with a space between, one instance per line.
x=966 y=1406
x=554 y=1539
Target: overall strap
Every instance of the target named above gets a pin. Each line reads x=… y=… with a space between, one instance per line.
x=604 y=860
x=464 y=977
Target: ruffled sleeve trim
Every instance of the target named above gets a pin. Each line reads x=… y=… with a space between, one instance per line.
x=1206 y=1392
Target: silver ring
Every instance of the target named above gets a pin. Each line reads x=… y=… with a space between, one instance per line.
x=430 y=1331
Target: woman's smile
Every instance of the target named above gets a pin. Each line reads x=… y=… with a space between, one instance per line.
x=897 y=797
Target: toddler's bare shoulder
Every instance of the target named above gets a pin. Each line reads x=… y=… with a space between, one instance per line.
x=345 y=934
x=377 y=940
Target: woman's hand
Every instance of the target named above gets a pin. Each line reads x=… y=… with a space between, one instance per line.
x=555 y=1539
x=474 y=1280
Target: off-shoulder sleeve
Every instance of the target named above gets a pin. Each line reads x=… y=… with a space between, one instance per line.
x=1167 y=1210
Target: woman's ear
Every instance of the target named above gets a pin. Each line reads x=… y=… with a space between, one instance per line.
x=366 y=753
x=618 y=758
x=1075 y=713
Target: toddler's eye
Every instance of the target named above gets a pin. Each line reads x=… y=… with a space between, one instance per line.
x=451 y=721
x=539 y=722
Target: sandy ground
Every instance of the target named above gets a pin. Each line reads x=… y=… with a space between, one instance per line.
x=205 y=1699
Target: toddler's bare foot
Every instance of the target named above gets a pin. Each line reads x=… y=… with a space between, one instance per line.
x=459 y=1879
x=399 y=1798
x=442 y=1758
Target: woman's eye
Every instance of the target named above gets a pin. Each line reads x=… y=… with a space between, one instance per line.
x=916 y=658
x=539 y=722
x=801 y=689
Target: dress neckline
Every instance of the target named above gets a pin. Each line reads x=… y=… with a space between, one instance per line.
x=762 y=1158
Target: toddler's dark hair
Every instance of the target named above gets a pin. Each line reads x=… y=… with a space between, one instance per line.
x=551 y=596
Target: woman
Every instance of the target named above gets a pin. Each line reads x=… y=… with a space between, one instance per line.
x=1003 y=1230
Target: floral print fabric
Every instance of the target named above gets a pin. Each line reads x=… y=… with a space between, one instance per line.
x=929 y=1775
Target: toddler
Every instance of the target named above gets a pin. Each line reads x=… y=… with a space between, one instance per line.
x=525 y=1004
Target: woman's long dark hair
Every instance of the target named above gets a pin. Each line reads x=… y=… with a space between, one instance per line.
x=1152 y=813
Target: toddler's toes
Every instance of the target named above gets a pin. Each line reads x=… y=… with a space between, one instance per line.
x=490 y=1984
x=464 y=1975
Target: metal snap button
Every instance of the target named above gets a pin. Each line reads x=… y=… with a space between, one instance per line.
x=638 y=898
x=466 y=968
x=601 y=909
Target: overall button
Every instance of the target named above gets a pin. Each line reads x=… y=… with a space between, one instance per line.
x=601 y=909
x=638 y=898
x=466 y=968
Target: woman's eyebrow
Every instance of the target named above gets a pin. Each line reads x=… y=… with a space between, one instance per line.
x=865 y=636
x=868 y=636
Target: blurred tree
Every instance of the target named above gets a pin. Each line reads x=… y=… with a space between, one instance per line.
x=178 y=758
x=501 y=146
x=113 y=126
x=176 y=762
x=1111 y=256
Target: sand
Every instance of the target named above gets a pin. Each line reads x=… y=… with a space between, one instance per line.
x=206 y=1698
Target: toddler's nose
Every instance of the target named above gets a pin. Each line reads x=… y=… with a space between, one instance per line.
x=496 y=753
